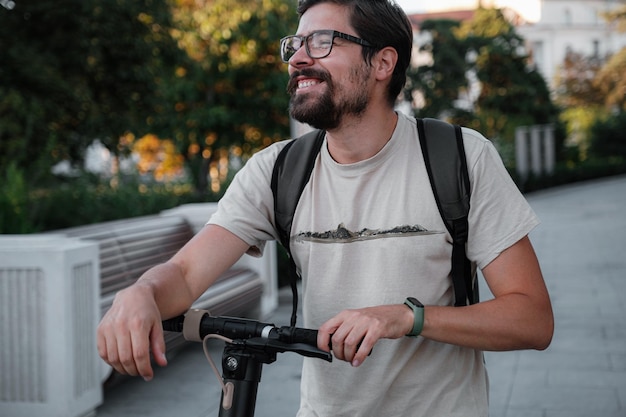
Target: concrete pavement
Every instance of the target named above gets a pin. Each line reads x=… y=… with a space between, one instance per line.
x=187 y=387
x=581 y=244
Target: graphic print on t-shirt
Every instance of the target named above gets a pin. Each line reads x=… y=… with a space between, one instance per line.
x=343 y=235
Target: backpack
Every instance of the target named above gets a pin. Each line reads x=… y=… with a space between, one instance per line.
x=444 y=157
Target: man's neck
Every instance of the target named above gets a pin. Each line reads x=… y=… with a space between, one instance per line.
x=360 y=138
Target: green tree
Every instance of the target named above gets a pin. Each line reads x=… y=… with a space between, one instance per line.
x=230 y=95
x=75 y=70
x=511 y=93
x=580 y=98
x=607 y=137
x=592 y=92
x=574 y=81
x=440 y=82
x=610 y=79
x=484 y=54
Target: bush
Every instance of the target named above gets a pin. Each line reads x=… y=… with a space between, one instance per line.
x=608 y=137
x=14 y=202
x=569 y=173
x=80 y=201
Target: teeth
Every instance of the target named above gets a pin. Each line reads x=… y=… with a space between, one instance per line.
x=308 y=83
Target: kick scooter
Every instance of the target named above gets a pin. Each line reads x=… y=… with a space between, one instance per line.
x=249 y=345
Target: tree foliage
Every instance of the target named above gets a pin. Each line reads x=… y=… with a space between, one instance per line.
x=610 y=78
x=617 y=17
x=484 y=54
x=607 y=137
x=231 y=92
x=611 y=81
x=575 y=81
x=203 y=74
x=592 y=92
x=440 y=82
x=511 y=92
x=75 y=70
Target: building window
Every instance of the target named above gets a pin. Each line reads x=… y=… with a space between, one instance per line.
x=567 y=17
x=537 y=56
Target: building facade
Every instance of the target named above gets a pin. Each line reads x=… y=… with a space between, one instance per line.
x=571 y=26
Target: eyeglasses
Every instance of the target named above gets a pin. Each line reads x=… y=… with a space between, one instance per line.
x=318 y=44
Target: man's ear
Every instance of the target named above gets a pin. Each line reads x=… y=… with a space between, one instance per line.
x=384 y=63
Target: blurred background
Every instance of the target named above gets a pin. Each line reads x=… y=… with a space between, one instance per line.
x=118 y=108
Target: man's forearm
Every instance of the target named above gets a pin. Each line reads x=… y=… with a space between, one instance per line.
x=166 y=284
x=177 y=283
x=510 y=323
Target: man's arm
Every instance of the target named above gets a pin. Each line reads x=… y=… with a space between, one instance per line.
x=519 y=317
x=132 y=326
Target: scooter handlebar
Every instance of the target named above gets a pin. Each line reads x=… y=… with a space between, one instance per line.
x=197 y=324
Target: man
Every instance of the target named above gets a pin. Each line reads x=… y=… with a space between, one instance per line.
x=347 y=65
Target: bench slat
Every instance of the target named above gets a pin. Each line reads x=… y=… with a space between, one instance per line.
x=128 y=248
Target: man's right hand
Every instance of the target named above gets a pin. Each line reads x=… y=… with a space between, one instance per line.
x=132 y=326
x=130 y=330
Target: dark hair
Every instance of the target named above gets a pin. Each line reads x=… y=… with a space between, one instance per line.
x=382 y=23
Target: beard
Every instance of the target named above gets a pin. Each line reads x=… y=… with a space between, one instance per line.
x=327 y=111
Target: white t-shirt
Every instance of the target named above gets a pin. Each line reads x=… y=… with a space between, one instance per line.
x=368 y=234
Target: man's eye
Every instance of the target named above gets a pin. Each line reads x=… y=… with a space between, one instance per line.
x=322 y=43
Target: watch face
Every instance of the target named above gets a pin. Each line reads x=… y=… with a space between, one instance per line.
x=415 y=301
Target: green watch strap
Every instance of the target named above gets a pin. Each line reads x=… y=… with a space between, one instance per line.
x=418 y=316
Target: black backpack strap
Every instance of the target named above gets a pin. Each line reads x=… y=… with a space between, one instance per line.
x=444 y=156
x=291 y=173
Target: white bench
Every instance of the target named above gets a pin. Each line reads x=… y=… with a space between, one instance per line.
x=130 y=247
x=55 y=287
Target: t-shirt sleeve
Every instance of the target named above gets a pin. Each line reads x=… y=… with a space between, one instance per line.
x=247 y=207
x=499 y=214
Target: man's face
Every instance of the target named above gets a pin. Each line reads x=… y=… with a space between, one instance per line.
x=325 y=90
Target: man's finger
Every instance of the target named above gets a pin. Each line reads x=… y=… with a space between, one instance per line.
x=140 y=354
x=125 y=355
x=157 y=343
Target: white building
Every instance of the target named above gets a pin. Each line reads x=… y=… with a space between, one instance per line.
x=571 y=26
x=558 y=27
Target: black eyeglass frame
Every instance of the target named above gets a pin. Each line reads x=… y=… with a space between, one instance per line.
x=304 y=40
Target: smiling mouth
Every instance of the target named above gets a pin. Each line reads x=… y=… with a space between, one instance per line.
x=307 y=83
x=304 y=79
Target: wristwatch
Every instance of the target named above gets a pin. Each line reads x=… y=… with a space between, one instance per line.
x=418 y=315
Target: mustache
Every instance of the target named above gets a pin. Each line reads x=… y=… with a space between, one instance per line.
x=292 y=85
